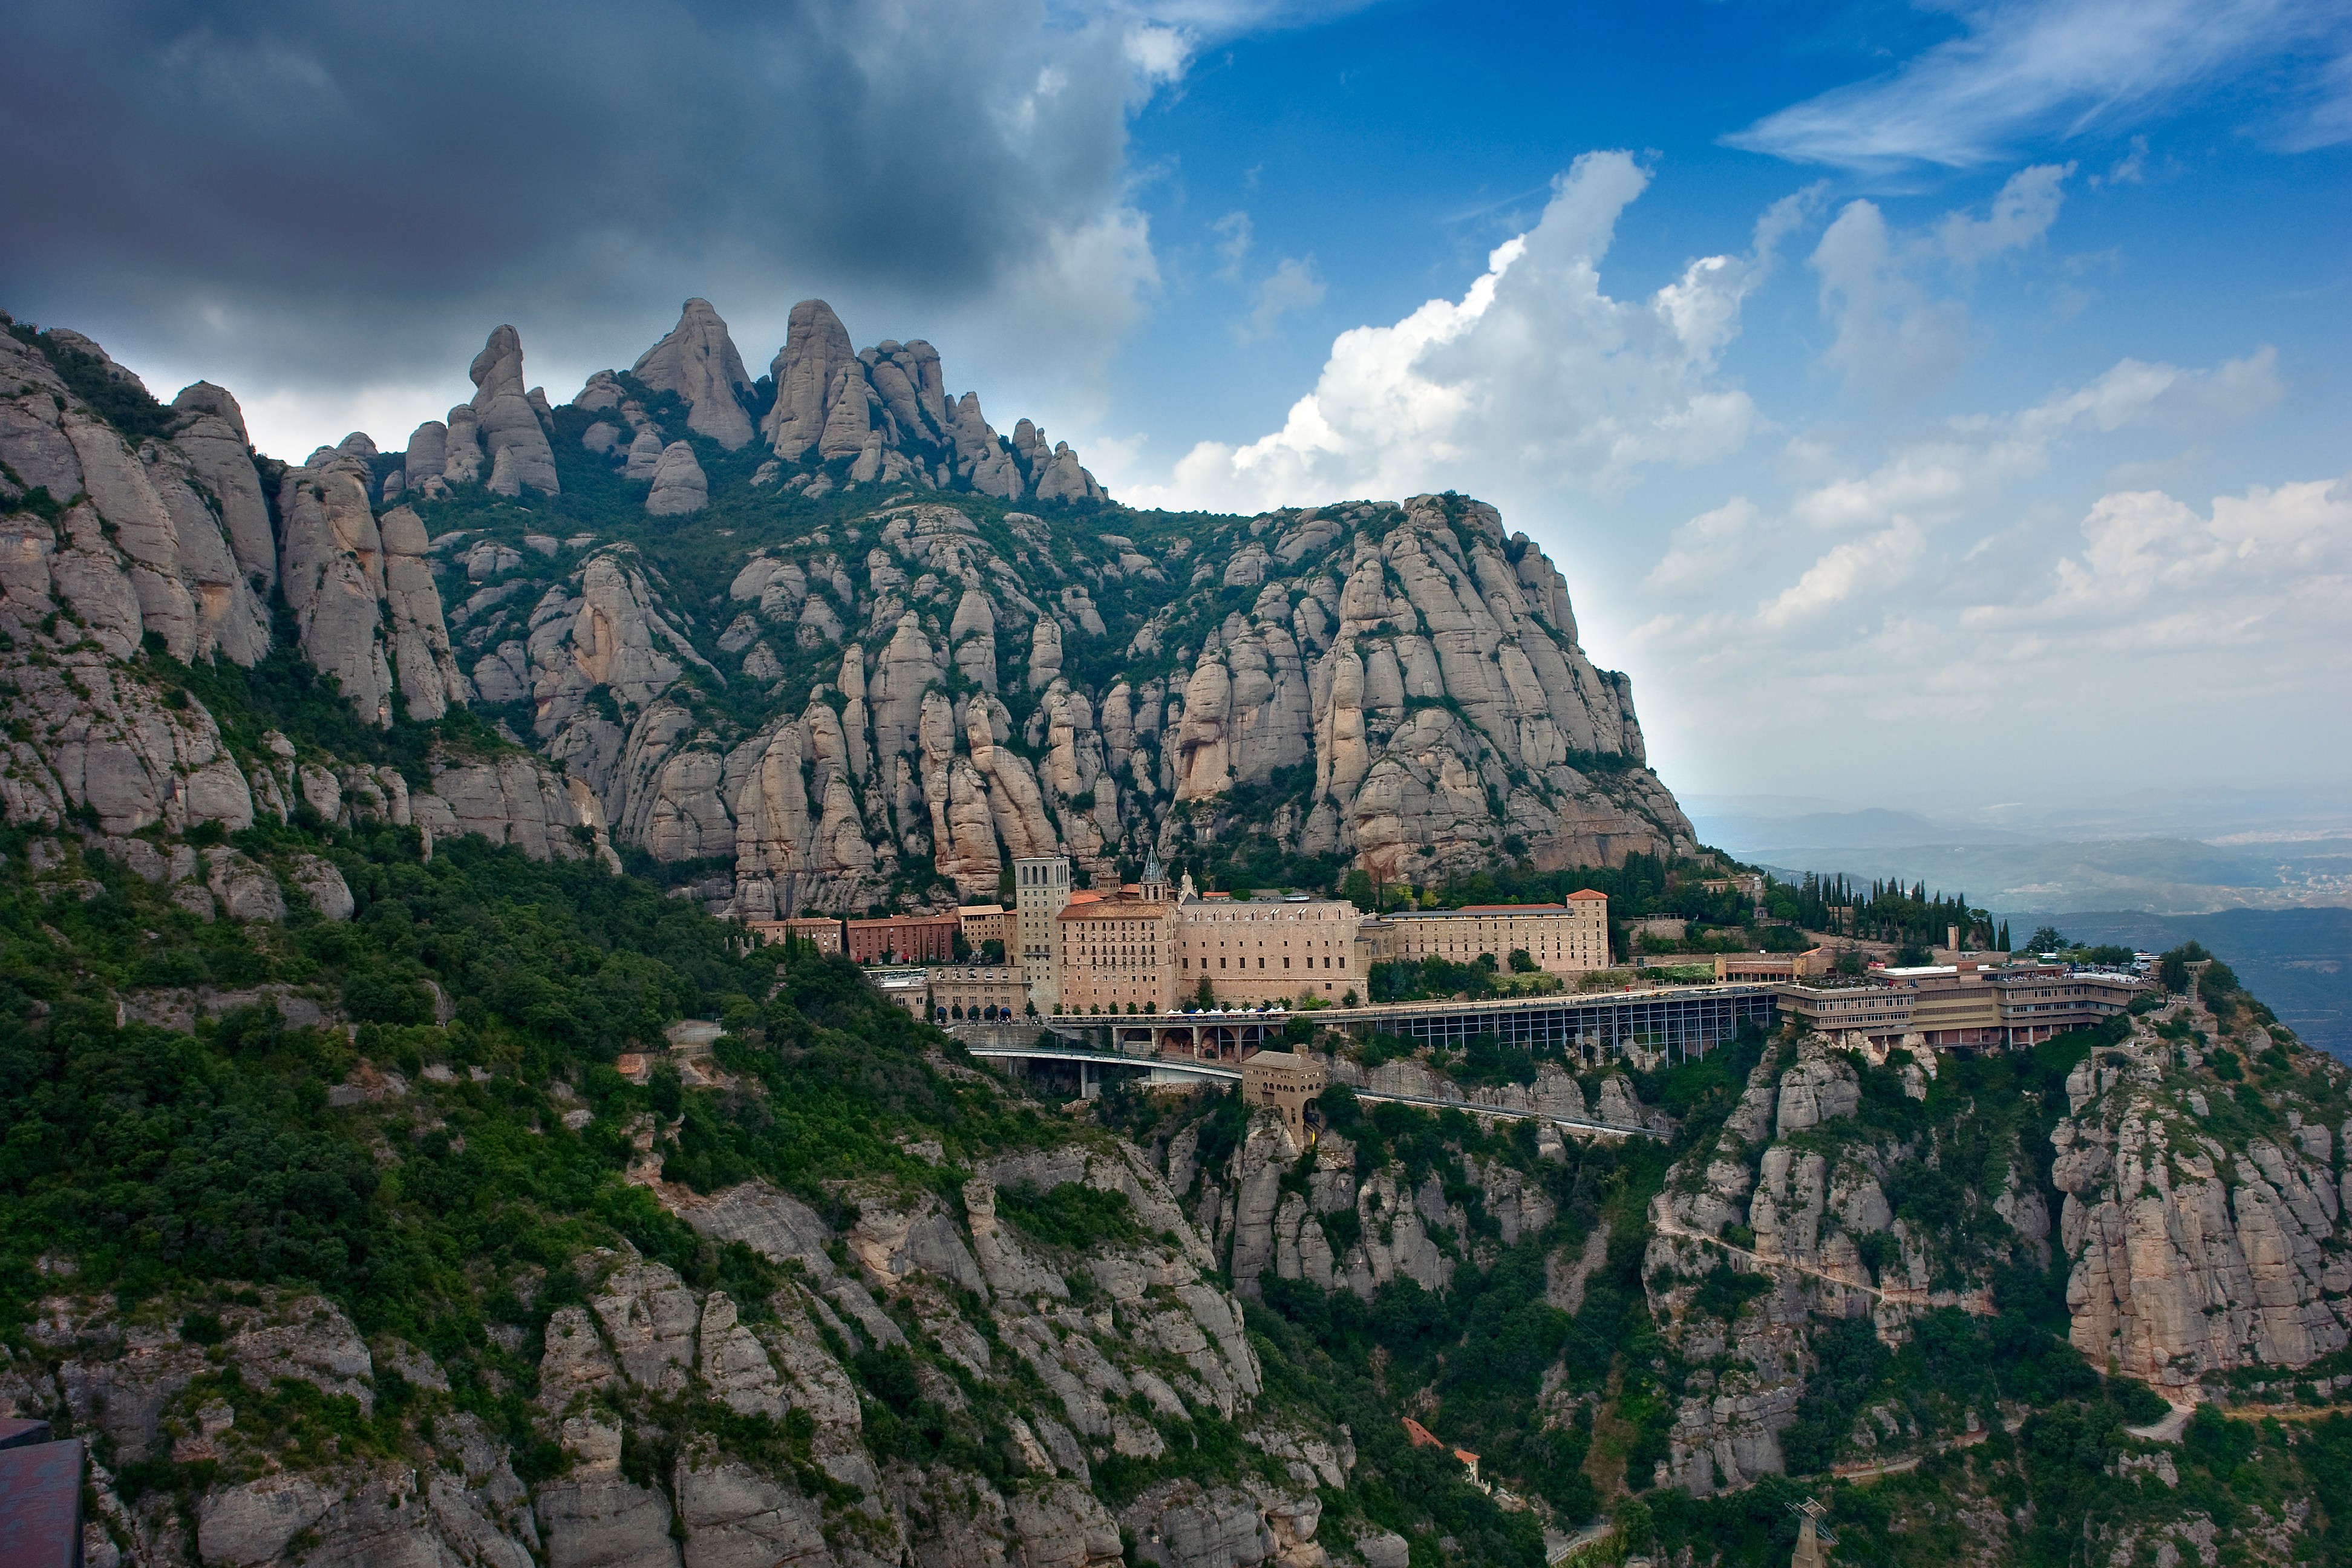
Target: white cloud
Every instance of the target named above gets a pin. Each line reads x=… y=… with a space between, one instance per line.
x=2022 y=213
x=1863 y=530
x=1707 y=547
x=1892 y=335
x=1534 y=374
x=1293 y=285
x=2061 y=67
x=1233 y=236
x=1896 y=333
x=2272 y=567
x=1908 y=596
x=1877 y=563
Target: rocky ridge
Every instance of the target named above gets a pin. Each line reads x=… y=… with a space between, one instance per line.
x=1083 y=1359
x=111 y=548
x=914 y=686
x=2204 y=1224
x=1419 y=703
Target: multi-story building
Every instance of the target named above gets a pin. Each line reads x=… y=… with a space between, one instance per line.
x=906 y=988
x=1040 y=887
x=983 y=990
x=984 y=923
x=1114 y=954
x=1256 y=951
x=903 y=939
x=1567 y=938
x=1949 y=1005
x=822 y=929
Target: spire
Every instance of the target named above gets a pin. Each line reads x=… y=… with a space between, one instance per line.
x=1154 y=886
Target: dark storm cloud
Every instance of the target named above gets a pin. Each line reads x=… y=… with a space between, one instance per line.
x=338 y=191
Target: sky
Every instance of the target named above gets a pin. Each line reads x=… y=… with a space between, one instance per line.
x=1942 y=404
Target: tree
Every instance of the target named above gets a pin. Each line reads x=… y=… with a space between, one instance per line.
x=1487 y=961
x=1522 y=962
x=1203 y=996
x=2046 y=938
x=2000 y=943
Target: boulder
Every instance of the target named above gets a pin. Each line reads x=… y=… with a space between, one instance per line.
x=679 y=485
x=246 y=889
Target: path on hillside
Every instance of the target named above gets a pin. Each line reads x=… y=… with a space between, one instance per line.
x=1972 y=1302
x=1580 y=1123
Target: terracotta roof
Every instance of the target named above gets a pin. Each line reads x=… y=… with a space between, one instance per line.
x=1587 y=894
x=1422 y=1436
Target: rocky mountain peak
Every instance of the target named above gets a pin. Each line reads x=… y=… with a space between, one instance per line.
x=806 y=370
x=509 y=430
x=697 y=361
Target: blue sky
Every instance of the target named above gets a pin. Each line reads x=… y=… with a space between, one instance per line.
x=1928 y=403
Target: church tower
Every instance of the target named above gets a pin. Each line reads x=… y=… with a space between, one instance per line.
x=1153 y=890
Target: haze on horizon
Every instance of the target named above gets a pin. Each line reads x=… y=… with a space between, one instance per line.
x=1929 y=406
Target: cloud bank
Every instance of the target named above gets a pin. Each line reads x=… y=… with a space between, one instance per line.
x=336 y=201
x=2027 y=69
x=1535 y=375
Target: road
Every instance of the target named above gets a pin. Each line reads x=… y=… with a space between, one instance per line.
x=1975 y=1303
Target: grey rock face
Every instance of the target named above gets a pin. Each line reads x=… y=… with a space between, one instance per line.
x=679 y=486
x=246 y=890
x=212 y=433
x=887 y=410
x=816 y=353
x=2188 y=1254
x=697 y=361
x=511 y=435
x=645 y=455
x=324 y=885
x=610 y=1371
x=362 y=593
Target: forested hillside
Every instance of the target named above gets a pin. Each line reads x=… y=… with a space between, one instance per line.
x=365 y=846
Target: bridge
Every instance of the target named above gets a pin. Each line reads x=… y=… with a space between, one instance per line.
x=1164 y=1069
x=1089 y=1061
x=1675 y=1023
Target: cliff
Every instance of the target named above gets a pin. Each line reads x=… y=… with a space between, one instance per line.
x=834 y=667
x=356 y=1203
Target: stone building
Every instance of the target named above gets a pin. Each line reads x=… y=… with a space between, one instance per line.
x=1041 y=886
x=906 y=988
x=1567 y=938
x=823 y=930
x=1116 y=954
x=1258 y=952
x=1286 y=1080
x=983 y=923
x=903 y=939
x=983 y=990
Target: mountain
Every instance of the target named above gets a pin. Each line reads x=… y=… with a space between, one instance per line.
x=794 y=641
x=400 y=1163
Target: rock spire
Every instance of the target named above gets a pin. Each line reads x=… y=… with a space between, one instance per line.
x=697 y=361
